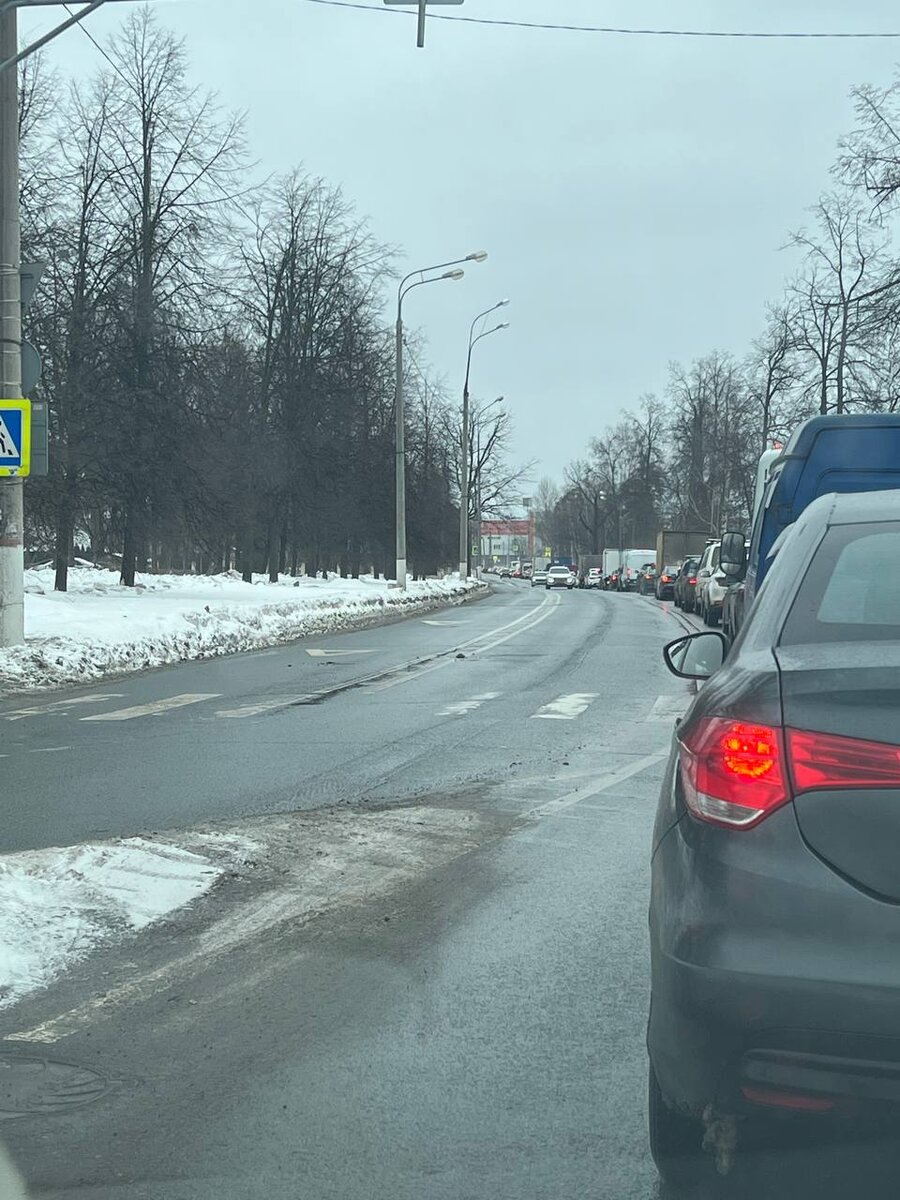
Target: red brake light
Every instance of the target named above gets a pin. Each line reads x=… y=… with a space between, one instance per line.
x=693 y=579
x=825 y=760
x=732 y=772
x=667 y=578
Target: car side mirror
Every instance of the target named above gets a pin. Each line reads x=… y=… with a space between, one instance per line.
x=733 y=554
x=697 y=656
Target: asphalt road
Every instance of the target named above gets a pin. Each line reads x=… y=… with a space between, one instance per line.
x=475 y=1033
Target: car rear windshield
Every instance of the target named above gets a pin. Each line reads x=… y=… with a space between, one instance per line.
x=851 y=591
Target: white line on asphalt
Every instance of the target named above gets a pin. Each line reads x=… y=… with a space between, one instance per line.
x=57 y=707
x=154 y=708
x=444 y=623
x=667 y=708
x=48 y=749
x=533 y=617
x=270 y=704
x=603 y=784
x=337 y=653
x=566 y=708
x=463 y=707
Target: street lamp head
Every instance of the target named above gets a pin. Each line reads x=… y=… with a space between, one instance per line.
x=503 y=304
x=478 y=256
x=503 y=325
x=453 y=274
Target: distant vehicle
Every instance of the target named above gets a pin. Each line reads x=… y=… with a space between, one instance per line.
x=611 y=583
x=855 y=452
x=587 y=563
x=686 y=584
x=665 y=583
x=594 y=577
x=647 y=580
x=712 y=583
x=611 y=562
x=775 y=895
x=538 y=577
x=505 y=573
x=559 y=577
x=527 y=570
x=633 y=561
x=675 y=545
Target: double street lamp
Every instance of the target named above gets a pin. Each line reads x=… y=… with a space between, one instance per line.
x=464 y=461
x=413 y=280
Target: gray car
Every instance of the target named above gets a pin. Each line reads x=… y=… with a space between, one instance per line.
x=775 y=900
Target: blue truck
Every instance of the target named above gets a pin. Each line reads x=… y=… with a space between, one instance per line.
x=858 y=452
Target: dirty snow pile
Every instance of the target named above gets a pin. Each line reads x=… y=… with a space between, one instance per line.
x=58 y=904
x=99 y=628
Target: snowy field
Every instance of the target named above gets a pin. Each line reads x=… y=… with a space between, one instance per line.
x=99 y=628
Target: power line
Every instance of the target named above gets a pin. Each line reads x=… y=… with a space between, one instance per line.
x=613 y=29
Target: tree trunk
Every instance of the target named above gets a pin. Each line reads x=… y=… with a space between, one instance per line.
x=63 y=542
x=129 y=547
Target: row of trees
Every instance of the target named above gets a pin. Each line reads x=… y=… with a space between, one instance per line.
x=219 y=375
x=831 y=344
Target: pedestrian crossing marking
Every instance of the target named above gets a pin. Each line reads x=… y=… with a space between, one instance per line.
x=566 y=708
x=154 y=708
x=266 y=705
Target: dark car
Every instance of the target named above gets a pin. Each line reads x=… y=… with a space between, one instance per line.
x=775 y=897
x=646 y=584
x=686 y=584
x=665 y=583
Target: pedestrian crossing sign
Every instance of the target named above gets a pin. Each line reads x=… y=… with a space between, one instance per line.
x=15 y=437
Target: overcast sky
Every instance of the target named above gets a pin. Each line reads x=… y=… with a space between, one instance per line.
x=633 y=192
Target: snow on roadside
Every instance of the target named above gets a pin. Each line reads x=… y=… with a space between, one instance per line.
x=99 y=628
x=58 y=904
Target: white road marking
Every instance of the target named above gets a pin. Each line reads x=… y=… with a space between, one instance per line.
x=337 y=653
x=533 y=617
x=269 y=704
x=466 y=706
x=48 y=749
x=154 y=708
x=565 y=708
x=57 y=707
x=667 y=708
x=443 y=623
x=603 y=784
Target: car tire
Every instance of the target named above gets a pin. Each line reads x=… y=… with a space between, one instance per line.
x=676 y=1143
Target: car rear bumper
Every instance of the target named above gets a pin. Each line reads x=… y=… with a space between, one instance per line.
x=765 y=1048
x=770 y=973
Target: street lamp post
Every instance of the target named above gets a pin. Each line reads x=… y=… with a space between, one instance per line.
x=406 y=286
x=464 y=444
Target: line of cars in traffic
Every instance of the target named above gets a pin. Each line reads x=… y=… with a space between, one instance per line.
x=775 y=877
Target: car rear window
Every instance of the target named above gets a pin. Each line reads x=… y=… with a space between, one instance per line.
x=851 y=591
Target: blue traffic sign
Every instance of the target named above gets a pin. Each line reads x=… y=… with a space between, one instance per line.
x=15 y=437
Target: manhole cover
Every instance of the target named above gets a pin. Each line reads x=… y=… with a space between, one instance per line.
x=39 y=1086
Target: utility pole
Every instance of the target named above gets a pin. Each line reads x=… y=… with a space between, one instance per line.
x=12 y=511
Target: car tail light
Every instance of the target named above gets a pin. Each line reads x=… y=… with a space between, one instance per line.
x=733 y=772
x=693 y=579
x=667 y=578
x=825 y=760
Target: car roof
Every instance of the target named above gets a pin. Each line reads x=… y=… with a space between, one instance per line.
x=851 y=508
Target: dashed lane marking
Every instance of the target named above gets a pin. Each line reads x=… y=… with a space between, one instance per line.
x=154 y=708
x=462 y=707
x=337 y=653
x=603 y=784
x=566 y=708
